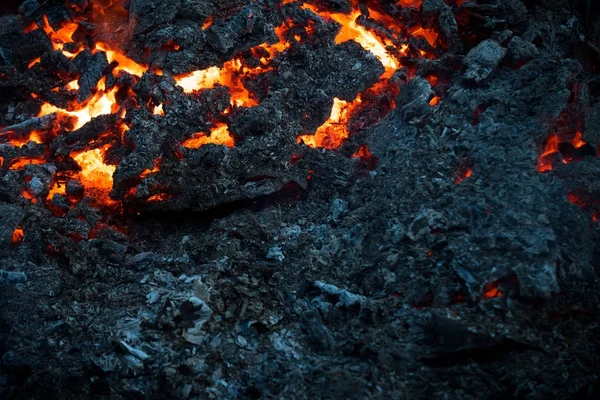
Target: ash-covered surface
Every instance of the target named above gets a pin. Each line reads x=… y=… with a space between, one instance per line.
x=451 y=267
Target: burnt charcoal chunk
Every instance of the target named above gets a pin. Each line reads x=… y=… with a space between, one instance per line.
x=346 y=70
x=413 y=101
x=92 y=67
x=150 y=13
x=260 y=120
x=96 y=132
x=75 y=190
x=248 y=28
x=29 y=7
x=436 y=12
x=514 y=11
x=197 y=10
x=147 y=138
x=342 y=6
x=32 y=45
x=591 y=133
x=483 y=60
x=521 y=51
x=10 y=218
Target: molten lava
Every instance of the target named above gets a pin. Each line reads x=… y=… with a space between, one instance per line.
x=125 y=64
x=62 y=36
x=350 y=30
x=229 y=75
x=17 y=236
x=220 y=135
x=95 y=174
x=103 y=102
x=551 y=150
x=333 y=132
x=112 y=30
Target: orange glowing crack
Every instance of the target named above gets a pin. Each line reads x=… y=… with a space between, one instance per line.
x=21 y=162
x=462 y=175
x=103 y=102
x=333 y=132
x=220 y=135
x=544 y=163
x=34 y=136
x=228 y=76
x=60 y=37
x=32 y=63
x=56 y=189
x=429 y=34
x=491 y=290
x=125 y=63
x=350 y=30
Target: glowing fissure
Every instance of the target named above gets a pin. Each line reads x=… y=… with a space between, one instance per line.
x=96 y=175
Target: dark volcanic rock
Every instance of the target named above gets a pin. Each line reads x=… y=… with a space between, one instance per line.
x=483 y=60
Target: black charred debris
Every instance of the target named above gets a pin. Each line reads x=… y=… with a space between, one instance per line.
x=447 y=266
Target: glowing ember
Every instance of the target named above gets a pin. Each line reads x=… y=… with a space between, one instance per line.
x=352 y=31
x=17 y=236
x=56 y=189
x=551 y=148
x=207 y=23
x=32 y=63
x=228 y=76
x=220 y=135
x=410 y=3
x=21 y=162
x=33 y=137
x=158 y=110
x=125 y=64
x=101 y=103
x=333 y=132
x=435 y=101
x=154 y=170
x=491 y=290
x=365 y=156
x=430 y=35
x=462 y=174
x=94 y=173
x=61 y=37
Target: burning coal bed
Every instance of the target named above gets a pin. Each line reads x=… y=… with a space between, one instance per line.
x=435 y=160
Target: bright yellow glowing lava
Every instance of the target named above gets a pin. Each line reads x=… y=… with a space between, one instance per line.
x=228 y=76
x=220 y=135
x=94 y=173
x=101 y=103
